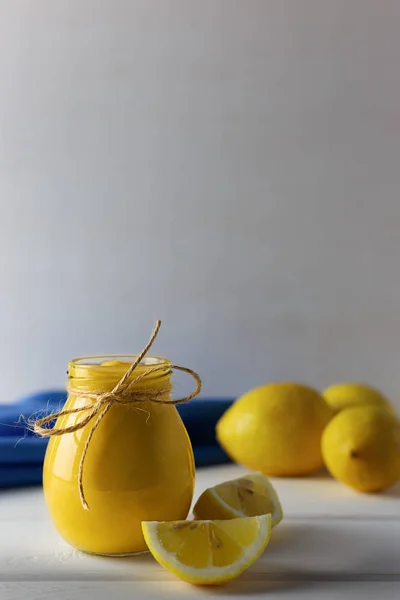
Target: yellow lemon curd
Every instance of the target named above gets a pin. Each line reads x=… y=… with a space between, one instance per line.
x=139 y=464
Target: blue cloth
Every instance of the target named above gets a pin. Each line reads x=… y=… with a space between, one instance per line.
x=22 y=453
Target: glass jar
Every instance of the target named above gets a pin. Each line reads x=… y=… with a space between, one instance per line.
x=138 y=467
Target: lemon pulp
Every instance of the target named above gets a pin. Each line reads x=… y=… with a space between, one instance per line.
x=208 y=552
x=247 y=496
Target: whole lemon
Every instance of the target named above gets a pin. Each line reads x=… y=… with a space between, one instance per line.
x=361 y=448
x=276 y=429
x=345 y=395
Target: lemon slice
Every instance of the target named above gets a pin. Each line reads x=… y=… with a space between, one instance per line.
x=246 y=496
x=207 y=552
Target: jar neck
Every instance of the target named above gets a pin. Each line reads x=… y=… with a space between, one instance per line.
x=102 y=373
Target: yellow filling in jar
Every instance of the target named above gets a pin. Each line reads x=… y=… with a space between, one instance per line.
x=138 y=467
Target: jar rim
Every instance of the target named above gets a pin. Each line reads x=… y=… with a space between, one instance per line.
x=84 y=368
x=96 y=360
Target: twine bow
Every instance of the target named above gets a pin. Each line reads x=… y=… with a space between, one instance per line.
x=122 y=393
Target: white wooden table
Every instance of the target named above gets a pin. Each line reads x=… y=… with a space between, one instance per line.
x=332 y=543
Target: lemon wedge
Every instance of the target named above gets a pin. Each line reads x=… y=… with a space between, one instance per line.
x=246 y=496
x=207 y=552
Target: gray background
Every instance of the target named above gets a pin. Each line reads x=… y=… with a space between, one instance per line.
x=230 y=166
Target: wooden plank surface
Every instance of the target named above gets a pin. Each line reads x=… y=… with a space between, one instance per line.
x=331 y=540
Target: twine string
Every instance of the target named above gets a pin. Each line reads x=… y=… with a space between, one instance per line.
x=122 y=393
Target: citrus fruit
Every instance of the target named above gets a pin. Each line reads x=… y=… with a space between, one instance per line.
x=208 y=552
x=247 y=496
x=345 y=395
x=361 y=448
x=276 y=429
